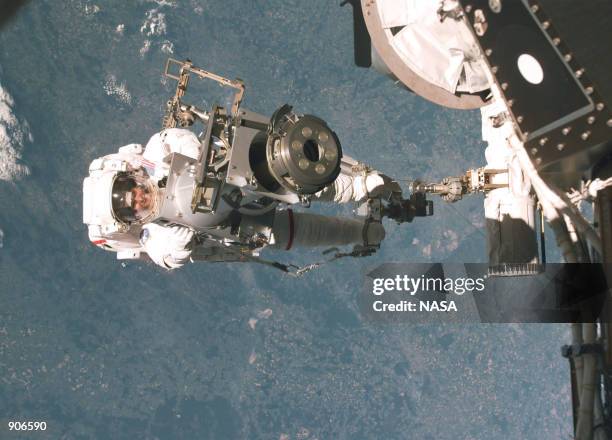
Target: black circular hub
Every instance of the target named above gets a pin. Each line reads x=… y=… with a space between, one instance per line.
x=312 y=150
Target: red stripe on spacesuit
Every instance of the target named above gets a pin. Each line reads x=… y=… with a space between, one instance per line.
x=291 y=229
x=97 y=242
x=147 y=163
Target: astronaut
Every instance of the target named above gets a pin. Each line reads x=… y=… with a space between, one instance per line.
x=123 y=192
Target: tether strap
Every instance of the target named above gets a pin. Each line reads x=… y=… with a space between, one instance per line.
x=296 y=271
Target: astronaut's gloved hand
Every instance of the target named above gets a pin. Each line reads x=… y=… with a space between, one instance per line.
x=379 y=185
x=168 y=246
x=374 y=185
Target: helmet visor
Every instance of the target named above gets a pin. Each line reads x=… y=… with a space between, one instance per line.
x=133 y=198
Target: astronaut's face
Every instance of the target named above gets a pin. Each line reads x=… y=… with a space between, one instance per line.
x=142 y=199
x=133 y=197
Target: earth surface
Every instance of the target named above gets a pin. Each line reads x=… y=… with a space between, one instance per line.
x=100 y=349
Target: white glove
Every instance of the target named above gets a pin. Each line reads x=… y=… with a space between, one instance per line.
x=374 y=185
x=347 y=189
x=167 y=246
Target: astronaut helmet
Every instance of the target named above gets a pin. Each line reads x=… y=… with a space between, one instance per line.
x=133 y=197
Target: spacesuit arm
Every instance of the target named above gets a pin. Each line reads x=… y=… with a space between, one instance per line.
x=168 y=246
x=357 y=186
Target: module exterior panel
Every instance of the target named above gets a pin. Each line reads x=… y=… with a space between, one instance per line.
x=562 y=113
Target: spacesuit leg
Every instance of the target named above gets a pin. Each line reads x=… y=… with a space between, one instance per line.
x=510 y=211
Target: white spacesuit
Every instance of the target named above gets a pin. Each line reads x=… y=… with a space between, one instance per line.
x=123 y=190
